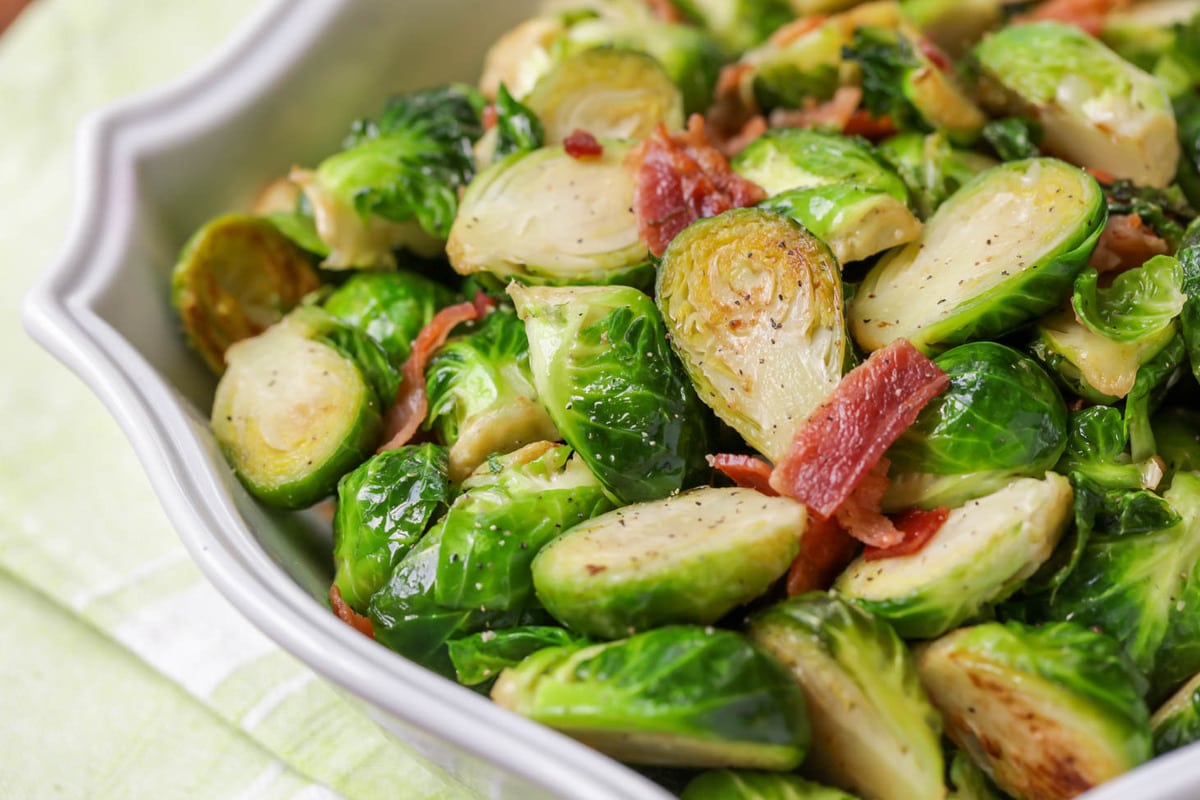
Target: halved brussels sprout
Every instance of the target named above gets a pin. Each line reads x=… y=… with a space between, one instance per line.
x=1177 y=721
x=1001 y=417
x=753 y=303
x=615 y=94
x=1141 y=584
x=930 y=167
x=1138 y=304
x=980 y=555
x=616 y=392
x=728 y=784
x=874 y=730
x=1159 y=36
x=481 y=657
x=855 y=221
x=675 y=696
x=1047 y=712
x=390 y=307
x=481 y=394
x=300 y=405
x=235 y=277
x=384 y=507
x=691 y=557
x=470 y=572
x=522 y=55
x=900 y=81
x=1004 y=249
x=548 y=217
x=1095 y=108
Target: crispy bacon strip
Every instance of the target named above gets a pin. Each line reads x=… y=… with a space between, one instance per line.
x=860 y=513
x=825 y=550
x=844 y=438
x=484 y=305
x=917 y=526
x=746 y=471
x=348 y=615
x=834 y=113
x=681 y=178
x=407 y=413
x=581 y=144
x=1126 y=242
x=1087 y=15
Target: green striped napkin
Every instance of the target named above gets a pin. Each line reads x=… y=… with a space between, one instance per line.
x=124 y=673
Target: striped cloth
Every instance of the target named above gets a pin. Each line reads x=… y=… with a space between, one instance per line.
x=124 y=673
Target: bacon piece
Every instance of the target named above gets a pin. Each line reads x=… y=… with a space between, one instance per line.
x=917 y=526
x=348 y=615
x=484 y=305
x=1100 y=175
x=863 y=123
x=408 y=412
x=490 y=116
x=681 y=178
x=934 y=54
x=746 y=471
x=835 y=113
x=825 y=550
x=755 y=127
x=1087 y=15
x=581 y=144
x=1126 y=242
x=859 y=514
x=844 y=438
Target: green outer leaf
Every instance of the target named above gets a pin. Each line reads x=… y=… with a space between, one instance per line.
x=519 y=129
x=1013 y=138
x=1153 y=380
x=480 y=657
x=705 y=696
x=931 y=168
x=384 y=506
x=886 y=59
x=728 y=784
x=799 y=158
x=390 y=307
x=615 y=390
x=1139 y=303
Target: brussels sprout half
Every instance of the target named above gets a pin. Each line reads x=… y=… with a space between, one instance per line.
x=614 y=94
x=547 y=217
x=1095 y=108
x=470 y=572
x=384 y=506
x=980 y=555
x=753 y=303
x=874 y=731
x=1047 y=712
x=1001 y=251
x=674 y=696
x=235 y=277
x=390 y=307
x=616 y=392
x=691 y=557
x=728 y=784
x=299 y=406
x=1001 y=417
x=954 y=25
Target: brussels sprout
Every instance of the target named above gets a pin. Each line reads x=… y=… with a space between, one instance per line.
x=481 y=394
x=1004 y=249
x=954 y=25
x=390 y=307
x=754 y=308
x=930 y=167
x=1095 y=108
x=691 y=557
x=522 y=55
x=1177 y=721
x=384 y=506
x=981 y=554
x=470 y=572
x=1139 y=304
x=1001 y=417
x=1097 y=444
x=874 y=731
x=1047 y=712
x=674 y=696
x=396 y=183
x=480 y=657
x=737 y=24
x=1141 y=584
x=616 y=392
x=1143 y=33
x=728 y=784
x=618 y=94
x=300 y=405
x=855 y=221
x=235 y=277
x=901 y=82
x=547 y=217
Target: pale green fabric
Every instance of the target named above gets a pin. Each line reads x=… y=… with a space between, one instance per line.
x=124 y=673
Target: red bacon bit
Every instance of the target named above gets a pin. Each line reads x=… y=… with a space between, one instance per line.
x=825 y=550
x=1087 y=15
x=407 y=413
x=484 y=305
x=490 y=116
x=844 y=438
x=755 y=127
x=682 y=178
x=834 y=114
x=1125 y=243
x=917 y=527
x=581 y=144
x=860 y=513
x=934 y=54
x=863 y=123
x=348 y=615
x=747 y=472
x=1100 y=175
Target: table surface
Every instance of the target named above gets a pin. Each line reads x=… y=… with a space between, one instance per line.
x=125 y=674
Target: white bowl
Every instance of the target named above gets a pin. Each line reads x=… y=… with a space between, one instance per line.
x=151 y=170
